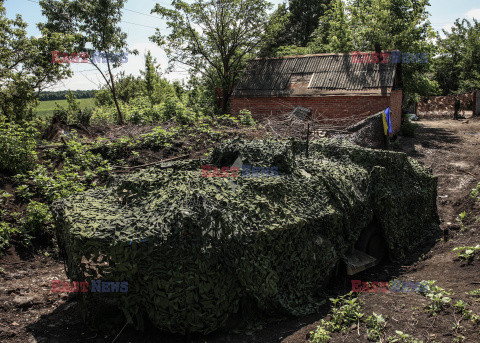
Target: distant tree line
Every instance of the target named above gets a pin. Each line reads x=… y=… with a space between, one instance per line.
x=61 y=95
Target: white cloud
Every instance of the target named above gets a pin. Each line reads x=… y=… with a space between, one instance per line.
x=474 y=13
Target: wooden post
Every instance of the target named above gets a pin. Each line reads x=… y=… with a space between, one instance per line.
x=308 y=137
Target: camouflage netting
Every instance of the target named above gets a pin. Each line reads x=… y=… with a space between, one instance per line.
x=368 y=133
x=192 y=248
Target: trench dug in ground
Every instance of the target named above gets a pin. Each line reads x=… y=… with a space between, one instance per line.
x=30 y=312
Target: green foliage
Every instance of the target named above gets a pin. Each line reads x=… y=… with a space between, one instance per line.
x=276 y=31
x=81 y=168
x=291 y=26
x=140 y=111
x=320 y=335
x=467 y=253
x=160 y=138
x=103 y=116
x=402 y=338
x=95 y=26
x=23 y=192
x=173 y=108
x=461 y=217
x=370 y=25
x=408 y=128
x=17 y=147
x=346 y=310
x=38 y=219
x=25 y=65
x=73 y=113
x=375 y=327
x=475 y=193
x=475 y=292
x=152 y=78
x=457 y=67
x=194 y=38
x=334 y=34
x=439 y=298
x=159 y=106
x=127 y=88
x=6 y=233
x=246 y=118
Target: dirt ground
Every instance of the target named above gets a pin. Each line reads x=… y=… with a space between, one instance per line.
x=30 y=312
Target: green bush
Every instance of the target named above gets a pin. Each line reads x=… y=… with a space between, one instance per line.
x=82 y=116
x=246 y=118
x=38 y=219
x=80 y=169
x=103 y=116
x=160 y=138
x=17 y=147
x=408 y=128
x=140 y=111
x=6 y=232
x=174 y=108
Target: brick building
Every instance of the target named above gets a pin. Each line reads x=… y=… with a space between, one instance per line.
x=329 y=84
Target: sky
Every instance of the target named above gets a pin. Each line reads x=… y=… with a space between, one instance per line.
x=139 y=24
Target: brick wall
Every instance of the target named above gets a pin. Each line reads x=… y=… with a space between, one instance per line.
x=332 y=110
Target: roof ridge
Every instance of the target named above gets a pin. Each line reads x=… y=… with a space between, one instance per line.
x=315 y=55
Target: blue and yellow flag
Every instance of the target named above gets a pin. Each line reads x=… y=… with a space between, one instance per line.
x=387 y=122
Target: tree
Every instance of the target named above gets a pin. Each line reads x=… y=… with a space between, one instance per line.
x=457 y=69
x=152 y=78
x=127 y=87
x=95 y=23
x=334 y=32
x=398 y=25
x=391 y=24
x=25 y=65
x=213 y=38
x=375 y=25
x=289 y=28
x=304 y=18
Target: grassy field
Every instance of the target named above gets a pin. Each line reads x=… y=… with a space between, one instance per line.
x=45 y=109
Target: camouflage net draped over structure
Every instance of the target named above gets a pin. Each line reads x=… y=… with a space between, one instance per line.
x=192 y=247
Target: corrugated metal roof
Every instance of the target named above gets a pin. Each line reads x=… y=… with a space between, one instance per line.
x=329 y=72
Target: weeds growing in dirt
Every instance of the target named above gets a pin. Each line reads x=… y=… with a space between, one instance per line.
x=375 y=327
x=475 y=193
x=467 y=253
x=346 y=311
x=402 y=338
